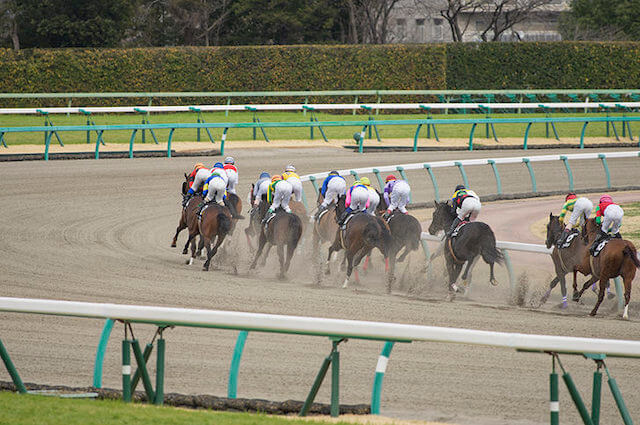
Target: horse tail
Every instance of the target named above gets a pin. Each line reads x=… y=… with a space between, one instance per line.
x=371 y=234
x=633 y=255
x=295 y=231
x=491 y=254
x=224 y=223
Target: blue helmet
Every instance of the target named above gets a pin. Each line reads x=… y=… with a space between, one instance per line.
x=218 y=165
x=334 y=173
x=265 y=175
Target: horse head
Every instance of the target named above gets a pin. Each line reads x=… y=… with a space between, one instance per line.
x=185 y=184
x=554 y=228
x=382 y=205
x=443 y=216
x=340 y=205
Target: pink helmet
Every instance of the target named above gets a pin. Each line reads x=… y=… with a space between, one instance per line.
x=606 y=198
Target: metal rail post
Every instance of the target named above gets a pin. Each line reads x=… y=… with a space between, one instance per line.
x=376 y=173
x=565 y=160
x=131 y=140
x=102 y=347
x=554 y=403
x=332 y=359
x=312 y=179
x=169 y=142
x=15 y=377
x=603 y=158
x=507 y=263
x=617 y=395
x=526 y=136
x=534 y=187
x=126 y=369
x=381 y=368
x=433 y=181
x=462 y=173
x=496 y=174
x=232 y=389
x=584 y=129
x=159 y=398
x=138 y=373
x=473 y=129
x=2 y=139
x=354 y=174
x=142 y=371
x=223 y=139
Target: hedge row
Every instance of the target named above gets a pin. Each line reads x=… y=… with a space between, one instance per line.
x=451 y=66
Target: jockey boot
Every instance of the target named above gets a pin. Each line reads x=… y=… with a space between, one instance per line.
x=455 y=223
x=232 y=209
x=185 y=199
x=563 y=237
x=601 y=236
x=320 y=210
x=617 y=235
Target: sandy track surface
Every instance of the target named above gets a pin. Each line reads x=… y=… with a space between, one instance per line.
x=100 y=231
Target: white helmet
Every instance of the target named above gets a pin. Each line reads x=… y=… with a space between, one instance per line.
x=290 y=168
x=229 y=160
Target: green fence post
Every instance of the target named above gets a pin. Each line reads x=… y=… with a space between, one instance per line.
x=507 y=263
x=415 y=138
x=577 y=400
x=534 y=187
x=496 y=174
x=404 y=177
x=159 y=399
x=2 y=139
x=223 y=139
x=361 y=139
x=169 y=142
x=526 y=136
x=473 y=129
x=138 y=373
x=98 y=141
x=554 y=403
x=102 y=348
x=47 y=142
x=313 y=181
x=603 y=158
x=142 y=371
x=595 y=397
x=232 y=389
x=133 y=137
x=565 y=160
x=335 y=380
x=462 y=173
x=619 y=293
x=126 y=370
x=354 y=174
x=584 y=128
x=381 y=367
x=15 y=377
x=617 y=395
x=376 y=173
x=433 y=181
x=316 y=385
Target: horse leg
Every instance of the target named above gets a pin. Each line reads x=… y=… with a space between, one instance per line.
x=466 y=276
x=404 y=254
x=246 y=232
x=627 y=296
x=391 y=272
x=200 y=245
x=211 y=251
x=603 y=286
x=186 y=245
x=207 y=244
x=547 y=294
x=266 y=255
x=290 y=250
x=181 y=226
x=349 y=257
x=281 y=259
x=261 y=243
x=492 y=278
x=592 y=279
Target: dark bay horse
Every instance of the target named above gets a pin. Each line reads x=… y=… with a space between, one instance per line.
x=405 y=234
x=325 y=226
x=619 y=257
x=474 y=239
x=284 y=229
x=214 y=223
x=253 y=229
x=184 y=216
x=362 y=233
x=565 y=259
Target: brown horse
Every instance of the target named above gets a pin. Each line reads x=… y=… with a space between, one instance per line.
x=283 y=229
x=184 y=216
x=405 y=234
x=360 y=235
x=564 y=259
x=253 y=229
x=325 y=226
x=618 y=258
x=214 y=223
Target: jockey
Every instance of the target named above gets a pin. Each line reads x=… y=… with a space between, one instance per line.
x=332 y=187
x=580 y=210
x=199 y=178
x=216 y=185
x=374 y=196
x=232 y=174
x=292 y=178
x=467 y=205
x=261 y=187
x=357 y=200
x=278 y=195
x=191 y=177
x=609 y=215
x=396 y=194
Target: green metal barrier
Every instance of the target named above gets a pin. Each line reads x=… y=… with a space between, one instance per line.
x=527 y=162
x=13 y=372
x=462 y=173
x=565 y=160
x=102 y=348
x=496 y=174
x=381 y=367
x=234 y=370
x=433 y=181
x=199 y=120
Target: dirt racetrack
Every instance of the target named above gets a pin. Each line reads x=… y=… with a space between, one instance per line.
x=100 y=231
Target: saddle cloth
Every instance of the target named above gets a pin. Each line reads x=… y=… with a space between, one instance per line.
x=457 y=229
x=600 y=247
x=203 y=207
x=569 y=240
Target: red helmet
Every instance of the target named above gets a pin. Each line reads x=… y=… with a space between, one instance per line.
x=389 y=178
x=570 y=195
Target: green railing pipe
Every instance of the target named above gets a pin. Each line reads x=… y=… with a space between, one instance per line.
x=462 y=173
x=584 y=129
x=354 y=174
x=223 y=139
x=554 y=403
x=234 y=370
x=131 y=140
x=169 y=142
x=565 y=160
x=415 y=138
x=146 y=354
x=577 y=400
x=381 y=367
x=376 y=173
x=534 y=186
x=526 y=136
x=617 y=395
x=596 y=397
x=509 y=266
x=496 y=174
x=11 y=368
x=126 y=370
x=603 y=158
x=335 y=379
x=102 y=348
x=433 y=181
x=142 y=369
x=473 y=129
x=159 y=399
x=312 y=179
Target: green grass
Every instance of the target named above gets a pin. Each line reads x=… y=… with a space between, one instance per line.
x=444 y=131
x=631 y=222
x=632 y=210
x=41 y=410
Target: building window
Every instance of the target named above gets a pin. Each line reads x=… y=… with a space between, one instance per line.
x=437 y=21
x=401 y=22
x=420 y=22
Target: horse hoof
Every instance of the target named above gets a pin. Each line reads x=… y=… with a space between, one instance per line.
x=185 y=251
x=189 y=261
x=346 y=282
x=173 y=245
x=593 y=313
x=494 y=282
x=576 y=296
x=610 y=295
x=454 y=288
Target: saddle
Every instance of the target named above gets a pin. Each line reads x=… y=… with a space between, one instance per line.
x=457 y=229
x=202 y=207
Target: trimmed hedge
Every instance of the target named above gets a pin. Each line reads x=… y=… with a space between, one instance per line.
x=257 y=68
x=565 y=65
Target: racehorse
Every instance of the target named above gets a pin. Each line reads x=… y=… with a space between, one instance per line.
x=184 y=216
x=473 y=239
x=325 y=226
x=253 y=229
x=405 y=234
x=283 y=229
x=565 y=259
x=214 y=223
x=362 y=232
x=618 y=258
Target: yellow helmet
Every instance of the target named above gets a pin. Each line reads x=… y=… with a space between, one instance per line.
x=198 y=166
x=365 y=181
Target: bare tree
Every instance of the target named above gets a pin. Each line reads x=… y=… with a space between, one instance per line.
x=457 y=13
x=200 y=20
x=9 y=22
x=502 y=15
x=369 y=20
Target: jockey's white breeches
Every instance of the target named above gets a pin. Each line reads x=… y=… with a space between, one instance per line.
x=359 y=199
x=216 y=189
x=296 y=184
x=581 y=211
x=282 y=195
x=399 y=197
x=200 y=178
x=335 y=188
x=263 y=188
x=612 y=219
x=374 y=200
x=470 y=207
x=233 y=180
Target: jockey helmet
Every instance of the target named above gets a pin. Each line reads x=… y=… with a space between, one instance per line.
x=218 y=165
x=290 y=168
x=265 y=175
x=606 y=198
x=276 y=178
x=334 y=173
x=198 y=166
x=460 y=187
x=229 y=160
x=365 y=181
x=389 y=178
x=570 y=195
